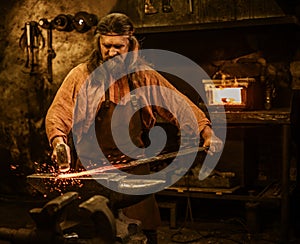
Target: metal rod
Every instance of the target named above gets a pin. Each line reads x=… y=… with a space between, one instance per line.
x=134 y=163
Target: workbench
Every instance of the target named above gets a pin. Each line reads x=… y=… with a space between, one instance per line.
x=280 y=120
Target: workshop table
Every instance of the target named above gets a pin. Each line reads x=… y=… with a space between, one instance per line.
x=280 y=118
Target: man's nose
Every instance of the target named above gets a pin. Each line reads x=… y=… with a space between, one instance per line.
x=112 y=52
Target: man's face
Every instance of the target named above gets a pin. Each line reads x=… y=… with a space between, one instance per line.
x=112 y=46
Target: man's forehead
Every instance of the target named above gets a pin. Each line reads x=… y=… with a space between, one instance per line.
x=113 y=38
x=127 y=33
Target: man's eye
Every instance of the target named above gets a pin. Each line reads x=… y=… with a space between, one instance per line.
x=118 y=46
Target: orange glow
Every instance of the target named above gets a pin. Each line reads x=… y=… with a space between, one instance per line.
x=228 y=95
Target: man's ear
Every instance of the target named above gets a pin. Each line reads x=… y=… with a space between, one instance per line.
x=133 y=43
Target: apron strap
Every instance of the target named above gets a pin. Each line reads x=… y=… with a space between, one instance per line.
x=107 y=96
x=133 y=98
x=134 y=103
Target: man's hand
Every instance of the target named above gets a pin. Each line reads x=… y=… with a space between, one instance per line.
x=58 y=141
x=211 y=141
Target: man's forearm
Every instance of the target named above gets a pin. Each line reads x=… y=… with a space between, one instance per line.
x=207 y=132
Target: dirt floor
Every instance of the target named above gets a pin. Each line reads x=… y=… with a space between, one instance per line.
x=203 y=233
x=200 y=229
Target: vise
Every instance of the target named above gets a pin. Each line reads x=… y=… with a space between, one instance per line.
x=65 y=220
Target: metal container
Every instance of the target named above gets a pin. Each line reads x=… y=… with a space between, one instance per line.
x=234 y=94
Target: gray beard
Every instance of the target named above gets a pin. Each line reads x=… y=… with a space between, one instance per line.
x=116 y=67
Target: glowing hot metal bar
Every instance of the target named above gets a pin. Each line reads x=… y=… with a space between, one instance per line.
x=88 y=183
x=134 y=163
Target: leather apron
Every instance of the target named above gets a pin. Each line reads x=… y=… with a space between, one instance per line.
x=147 y=210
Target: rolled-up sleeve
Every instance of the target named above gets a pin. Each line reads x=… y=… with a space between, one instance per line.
x=59 y=118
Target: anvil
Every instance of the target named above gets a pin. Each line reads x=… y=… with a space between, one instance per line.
x=52 y=185
x=89 y=183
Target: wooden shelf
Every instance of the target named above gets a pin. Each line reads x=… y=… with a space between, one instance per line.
x=273 y=116
x=283 y=20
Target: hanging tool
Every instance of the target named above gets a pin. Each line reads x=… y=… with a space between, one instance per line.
x=190 y=6
x=149 y=7
x=31 y=41
x=44 y=23
x=83 y=21
x=166 y=6
x=63 y=22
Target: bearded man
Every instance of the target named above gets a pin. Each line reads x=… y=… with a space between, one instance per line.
x=114 y=74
